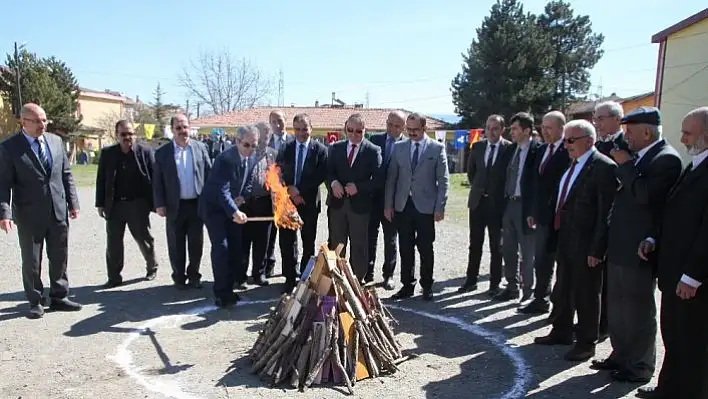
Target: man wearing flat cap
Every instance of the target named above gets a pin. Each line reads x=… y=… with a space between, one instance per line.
x=646 y=179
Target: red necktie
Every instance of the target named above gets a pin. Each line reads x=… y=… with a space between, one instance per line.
x=350 y=157
x=564 y=193
x=548 y=159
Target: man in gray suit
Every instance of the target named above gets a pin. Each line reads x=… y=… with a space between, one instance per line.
x=35 y=176
x=416 y=190
x=180 y=170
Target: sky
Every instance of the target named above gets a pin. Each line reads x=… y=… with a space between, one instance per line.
x=393 y=53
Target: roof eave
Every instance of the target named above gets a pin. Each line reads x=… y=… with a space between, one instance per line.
x=679 y=26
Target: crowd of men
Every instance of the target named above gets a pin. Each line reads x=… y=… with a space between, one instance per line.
x=614 y=209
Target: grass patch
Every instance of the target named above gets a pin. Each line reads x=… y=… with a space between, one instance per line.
x=84 y=175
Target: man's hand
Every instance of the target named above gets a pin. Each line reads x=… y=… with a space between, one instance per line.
x=337 y=190
x=239 y=200
x=593 y=261
x=645 y=248
x=161 y=211
x=439 y=216
x=531 y=222
x=101 y=212
x=240 y=217
x=388 y=214
x=293 y=192
x=351 y=189
x=6 y=225
x=620 y=156
x=73 y=214
x=685 y=291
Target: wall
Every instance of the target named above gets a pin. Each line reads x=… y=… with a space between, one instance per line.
x=629 y=106
x=96 y=111
x=685 y=79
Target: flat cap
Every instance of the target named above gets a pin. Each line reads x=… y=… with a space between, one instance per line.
x=647 y=115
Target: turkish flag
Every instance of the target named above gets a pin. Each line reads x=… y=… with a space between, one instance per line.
x=332 y=137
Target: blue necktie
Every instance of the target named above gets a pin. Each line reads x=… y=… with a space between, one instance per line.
x=43 y=159
x=389 y=149
x=414 y=161
x=246 y=176
x=300 y=162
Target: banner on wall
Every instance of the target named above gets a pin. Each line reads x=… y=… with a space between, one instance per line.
x=461 y=137
x=475 y=136
x=149 y=129
x=332 y=137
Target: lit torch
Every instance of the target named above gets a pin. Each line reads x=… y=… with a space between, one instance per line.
x=285 y=213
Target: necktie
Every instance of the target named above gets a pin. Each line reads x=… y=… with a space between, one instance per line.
x=246 y=177
x=548 y=159
x=271 y=142
x=389 y=149
x=300 y=162
x=490 y=157
x=416 y=154
x=41 y=155
x=563 y=194
x=488 y=167
x=512 y=174
x=350 y=157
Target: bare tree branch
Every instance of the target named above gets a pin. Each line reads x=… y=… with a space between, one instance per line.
x=225 y=83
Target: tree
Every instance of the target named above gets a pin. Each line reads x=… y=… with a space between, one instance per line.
x=576 y=51
x=159 y=112
x=505 y=68
x=48 y=82
x=107 y=122
x=225 y=83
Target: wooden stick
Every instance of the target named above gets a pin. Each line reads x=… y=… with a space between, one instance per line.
x=260 y=219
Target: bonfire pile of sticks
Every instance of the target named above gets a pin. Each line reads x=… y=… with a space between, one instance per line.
x=329 y=329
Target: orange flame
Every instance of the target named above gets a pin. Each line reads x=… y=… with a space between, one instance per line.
x=285 y=213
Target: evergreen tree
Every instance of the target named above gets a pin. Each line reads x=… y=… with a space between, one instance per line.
x=576 y=51
x=505 y=68
x=159 y=111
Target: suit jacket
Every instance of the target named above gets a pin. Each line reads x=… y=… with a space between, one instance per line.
x=477 y=173
x=606 y=146
x=223 y=185
x=166 y=185
x=585 y=212
x=683 y=234
x=546 y=184
x=427 y=185
x=314 y=170
x=364 y=173
x=380 y=140
x=106 y=174
x=28 y=193
x=528 y=181
x=640 y=200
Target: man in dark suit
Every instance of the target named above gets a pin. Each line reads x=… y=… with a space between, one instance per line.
x=645 y=182
x=124 y=197
x=486 y=173
x=219 y=203
x=303 y=164
x=679 y=245
x=607 y=119
x=352 y=179
x=417 y=184
x=585 y=197
x=551 y=163
x=181 y=168
x=517 y=235
x=37 y=192
x=395 y=124
x=277 y=140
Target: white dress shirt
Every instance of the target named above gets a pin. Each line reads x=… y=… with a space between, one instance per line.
x=421 y=148
x=304 y=156
x=548 y=153
x=488 y=149
x=644 y=150
x=350 y=145
x=580 y=163
x=184 y=160
x=523 y=149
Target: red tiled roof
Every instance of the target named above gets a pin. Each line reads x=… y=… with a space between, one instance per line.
x=679 y=26
x=321 y=117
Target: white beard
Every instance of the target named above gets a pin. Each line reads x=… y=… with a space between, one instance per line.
x=697 y=148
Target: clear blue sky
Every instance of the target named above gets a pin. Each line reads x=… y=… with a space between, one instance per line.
x=403 y=53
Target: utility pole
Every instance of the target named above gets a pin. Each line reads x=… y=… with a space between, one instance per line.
x=367 y=99
x=281 y=88
x=198 y=105
x=187 y=109
x=18 y=80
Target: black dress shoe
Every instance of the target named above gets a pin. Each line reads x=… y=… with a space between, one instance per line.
x=261 y=281
x=506 y=295
x=467 y=288
x=368 y=279
x=625 y=376
x=64 y=305
x=553 y=339
x=196 y=284
x=388 y=284
x=112 y=284
x=603 y=337
x=403 y=293
x=240 y=285
x=151 y=275
x=493 y=291
x=606 y=364
x=535 y=307
x=650 y=393
x=36 y=311
x=428 y=294
x=580 y=353
x=289 y=286
x=181 y=286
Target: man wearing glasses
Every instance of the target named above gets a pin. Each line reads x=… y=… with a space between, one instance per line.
x=352 y=178
x=124 y=198
x=35 y=175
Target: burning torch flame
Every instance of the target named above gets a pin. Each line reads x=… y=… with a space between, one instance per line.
x=284 y=211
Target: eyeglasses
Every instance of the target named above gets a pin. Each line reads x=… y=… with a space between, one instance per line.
x=247 y=145
x=358 y=131
x=572 y=140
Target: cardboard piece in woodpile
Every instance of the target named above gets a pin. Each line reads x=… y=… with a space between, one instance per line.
x=329 y=330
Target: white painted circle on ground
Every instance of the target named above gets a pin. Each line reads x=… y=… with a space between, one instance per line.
x=124 y=357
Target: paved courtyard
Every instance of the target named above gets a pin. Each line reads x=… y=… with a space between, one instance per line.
x=149 y=340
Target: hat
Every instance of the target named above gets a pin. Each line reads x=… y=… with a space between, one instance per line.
x=648 y=115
